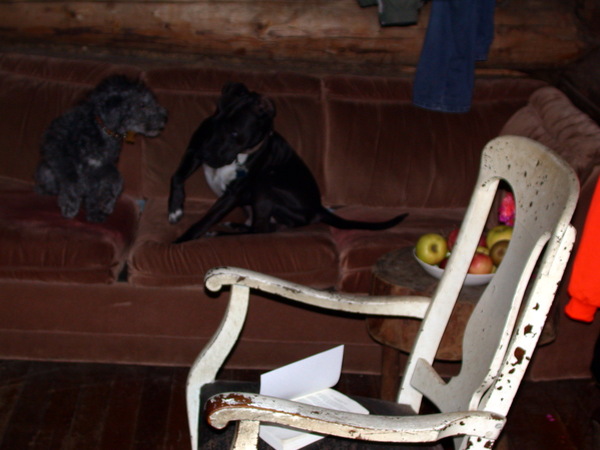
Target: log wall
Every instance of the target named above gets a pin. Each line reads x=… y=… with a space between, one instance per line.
x=530 y=34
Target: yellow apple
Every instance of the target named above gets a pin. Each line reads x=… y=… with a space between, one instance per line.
x=481 y=249
x=431 y=248
x=498 y=233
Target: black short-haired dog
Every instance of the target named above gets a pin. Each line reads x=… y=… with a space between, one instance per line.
x=248 y=164
x=81 y=148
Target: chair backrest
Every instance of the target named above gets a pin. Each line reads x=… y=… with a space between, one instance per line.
x=507 y=321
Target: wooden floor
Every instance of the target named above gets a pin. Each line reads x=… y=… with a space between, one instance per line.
x=95 y=406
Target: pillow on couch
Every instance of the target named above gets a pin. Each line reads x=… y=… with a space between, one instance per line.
x=550 y=118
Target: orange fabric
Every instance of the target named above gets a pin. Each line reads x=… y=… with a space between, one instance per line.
x=584 y=286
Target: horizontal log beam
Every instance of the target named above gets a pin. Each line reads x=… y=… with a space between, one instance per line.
x=529 y=34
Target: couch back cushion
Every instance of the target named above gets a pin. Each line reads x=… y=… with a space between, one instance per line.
x=191 y=93
x=550 y=118
x=36 y=89
x=383 y=151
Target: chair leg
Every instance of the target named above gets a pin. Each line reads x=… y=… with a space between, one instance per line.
x=390 y=370
x=246 y=435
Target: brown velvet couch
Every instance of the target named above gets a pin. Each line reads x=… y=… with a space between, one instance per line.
x=121 y=292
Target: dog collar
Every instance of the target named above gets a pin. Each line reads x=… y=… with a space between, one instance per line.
x=129 y=137
x=251 y=150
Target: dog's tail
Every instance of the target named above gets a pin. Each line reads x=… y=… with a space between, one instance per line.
x=336 y=221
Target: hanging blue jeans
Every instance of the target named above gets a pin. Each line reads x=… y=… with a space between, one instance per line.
x=459 y=33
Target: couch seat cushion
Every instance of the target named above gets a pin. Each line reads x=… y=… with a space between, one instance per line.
x=359 y=249
x=39 y=244
x=304 y=255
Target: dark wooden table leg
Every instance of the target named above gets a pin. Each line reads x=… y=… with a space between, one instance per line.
x=390 y=372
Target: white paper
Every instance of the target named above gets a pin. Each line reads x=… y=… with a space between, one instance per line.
x=304 y=377
x=332 y=399
x=306 y=381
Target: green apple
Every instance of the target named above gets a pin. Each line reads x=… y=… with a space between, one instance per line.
x=498 y=251
x=498 y=233
x=431 y=248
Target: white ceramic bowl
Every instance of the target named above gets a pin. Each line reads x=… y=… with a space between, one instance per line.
x=470 y=280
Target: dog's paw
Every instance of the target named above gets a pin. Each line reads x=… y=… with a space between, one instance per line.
x=69 y=211
x=175 y=216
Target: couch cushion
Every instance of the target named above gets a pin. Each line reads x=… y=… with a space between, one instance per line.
x=304 y=255
x=550 y=118
x=39 y=244
x=384 y=151
x=190 y=94
x=360 y=249
x=34 y=90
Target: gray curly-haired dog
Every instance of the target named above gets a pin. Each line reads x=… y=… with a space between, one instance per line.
x=81 y=148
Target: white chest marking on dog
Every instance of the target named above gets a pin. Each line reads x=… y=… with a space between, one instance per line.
x=94 y=162
x=218 y=179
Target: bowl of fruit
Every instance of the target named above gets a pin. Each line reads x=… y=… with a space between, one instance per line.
x=433 y=250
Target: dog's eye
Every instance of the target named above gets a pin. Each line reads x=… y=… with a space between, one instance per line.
x=234 y=134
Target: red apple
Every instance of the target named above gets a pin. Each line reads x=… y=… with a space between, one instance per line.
x=452 y=238
x=482 y=241
x=443 y=263
x=481 y=264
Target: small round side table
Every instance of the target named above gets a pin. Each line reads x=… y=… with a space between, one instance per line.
x=397 y=273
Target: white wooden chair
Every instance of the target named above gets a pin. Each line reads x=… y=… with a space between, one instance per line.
x=499 y=339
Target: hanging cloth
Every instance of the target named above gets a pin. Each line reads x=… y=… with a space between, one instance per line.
x=459 y=33
x=584 y=286
x=395 y=12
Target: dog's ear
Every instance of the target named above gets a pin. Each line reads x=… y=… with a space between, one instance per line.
x=265 y=106
x=110 y=94
x=232 y=92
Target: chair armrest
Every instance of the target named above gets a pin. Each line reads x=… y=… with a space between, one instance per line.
x=226 y=407
x=406 y=306
x=210 y=360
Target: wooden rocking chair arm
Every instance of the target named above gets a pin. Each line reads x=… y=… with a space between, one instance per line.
x=406 y=306
x=226 y=407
